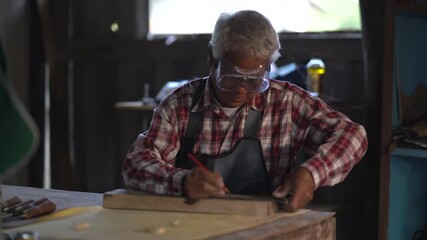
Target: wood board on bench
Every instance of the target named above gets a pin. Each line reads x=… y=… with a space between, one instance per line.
x=229 y=204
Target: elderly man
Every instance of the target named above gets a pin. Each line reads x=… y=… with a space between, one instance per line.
x=243 y=127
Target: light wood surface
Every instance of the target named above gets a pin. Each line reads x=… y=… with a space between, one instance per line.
x=101 y=223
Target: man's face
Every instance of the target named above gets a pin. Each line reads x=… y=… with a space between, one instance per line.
x=237 y=80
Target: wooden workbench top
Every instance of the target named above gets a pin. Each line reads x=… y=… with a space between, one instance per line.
x=128 y=223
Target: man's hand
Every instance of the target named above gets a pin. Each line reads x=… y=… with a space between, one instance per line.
x=301 y=184
x=200 y=183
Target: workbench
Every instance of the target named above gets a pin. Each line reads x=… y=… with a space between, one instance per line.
x=308 y=225
x=145 y=109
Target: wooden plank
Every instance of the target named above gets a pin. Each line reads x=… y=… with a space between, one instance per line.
x=230 y=204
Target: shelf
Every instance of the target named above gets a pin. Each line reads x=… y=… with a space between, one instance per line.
x=135 y=105
x=410 y=152
x=411 y=8
x=407 y=196
x=403 y=175
x=340 y=105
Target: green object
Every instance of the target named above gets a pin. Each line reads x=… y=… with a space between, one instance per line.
x=18 y=134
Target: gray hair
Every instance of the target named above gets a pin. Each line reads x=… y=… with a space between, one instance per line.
x=245 y=32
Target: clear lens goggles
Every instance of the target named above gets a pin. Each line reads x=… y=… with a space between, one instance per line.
x=229 y=78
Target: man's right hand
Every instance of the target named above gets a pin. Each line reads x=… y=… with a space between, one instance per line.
x=301 y=184
x=200 y=183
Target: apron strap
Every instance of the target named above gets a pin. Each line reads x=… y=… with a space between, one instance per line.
x=195 y=117
x=188 y=140
x=252 y=123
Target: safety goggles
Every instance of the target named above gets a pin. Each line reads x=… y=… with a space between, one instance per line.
x=230 y=77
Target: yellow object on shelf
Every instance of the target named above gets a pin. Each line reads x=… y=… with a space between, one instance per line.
x=315 y=69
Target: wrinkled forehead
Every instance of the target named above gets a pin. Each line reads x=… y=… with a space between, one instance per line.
x=228 y=67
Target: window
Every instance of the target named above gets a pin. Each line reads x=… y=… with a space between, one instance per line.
x=199 y=16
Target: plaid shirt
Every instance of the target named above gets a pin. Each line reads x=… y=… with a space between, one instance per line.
x=293 y=120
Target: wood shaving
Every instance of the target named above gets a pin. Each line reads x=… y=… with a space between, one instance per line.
x=156 y=230
x=175 y=223
x=81 y=226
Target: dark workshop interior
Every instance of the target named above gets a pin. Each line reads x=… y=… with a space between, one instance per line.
x=68 y=48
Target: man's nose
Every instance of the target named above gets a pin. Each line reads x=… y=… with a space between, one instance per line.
x=242 y=87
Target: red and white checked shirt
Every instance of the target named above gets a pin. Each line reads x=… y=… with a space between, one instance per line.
x=292 y=120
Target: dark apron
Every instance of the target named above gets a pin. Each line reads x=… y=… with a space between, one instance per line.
x=243 y=168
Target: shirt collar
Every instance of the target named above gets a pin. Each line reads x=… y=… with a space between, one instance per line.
x=258 y=102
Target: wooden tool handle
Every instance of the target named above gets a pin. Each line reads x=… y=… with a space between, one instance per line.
x=10 y=202
x=40 y=201
x=44 y=208
x=21 y=209
x=16 y=207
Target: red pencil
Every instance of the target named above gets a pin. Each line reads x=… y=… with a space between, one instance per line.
x=198 y=163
